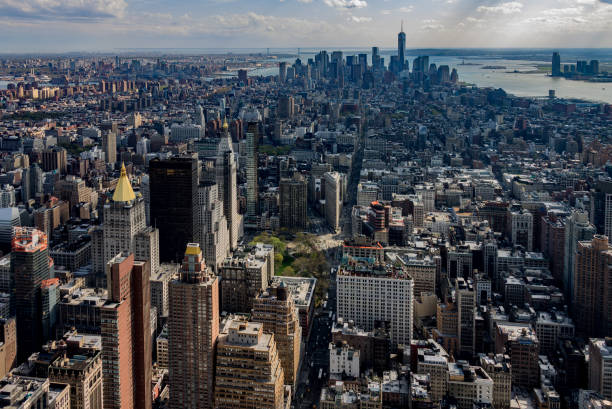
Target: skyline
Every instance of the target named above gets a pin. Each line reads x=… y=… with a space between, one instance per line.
x=33 y=26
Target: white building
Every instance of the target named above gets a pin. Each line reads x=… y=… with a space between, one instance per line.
x=600 y=366
x=179 y=133
x=469 y=384
x=333 y=199
x=367 y=193
x=368 y=292
x=343 y=359
x=521 y=228
x=552 y=326
x=214 y=235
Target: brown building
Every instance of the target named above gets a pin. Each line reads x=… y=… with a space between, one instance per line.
x=520 y=342
x=126 y=335
x=55 y=159
x=8 y=345
x=593 y=287
x=193 y=328
x=83 y=372
x=275 y=309
x=248 y=369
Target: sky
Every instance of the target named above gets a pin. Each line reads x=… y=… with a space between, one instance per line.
x=107 y=25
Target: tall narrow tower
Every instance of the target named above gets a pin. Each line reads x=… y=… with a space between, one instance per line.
x=401 y=48
x=30 y=266
x=193 y=328
x=225 y=168
x=252 y=118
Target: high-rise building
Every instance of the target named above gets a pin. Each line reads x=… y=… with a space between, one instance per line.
x=376 y=58
x=401 y=49
x=293 y=202
x=466 y=306
x=30 y=267
x=369 y=292
x=174 y=204
x=282 y=72
x=252 y=118
x=214 y=236
x=109 y=146
x=225 y=169
x=577 y=228
x=55 y=159
x=193 y=328
x=248 y=371
x=521 y=227
x=125 y=320
x=600 y=366
x=519 y=341
x=125 y=226
x=592 y=286
x=275 y=309
x=556 y=64
x=333 y=199
x=601 y=207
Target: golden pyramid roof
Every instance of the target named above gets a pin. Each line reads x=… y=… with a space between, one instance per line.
x=193 y=249
x=225 y=125
x=123 y=191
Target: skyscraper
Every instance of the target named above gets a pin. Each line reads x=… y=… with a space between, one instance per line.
x=577 y=228
x=126 y=335
x=225 y=168
x=333 y=201
x=275 y=309
x=174 y=204
x=293 y=202
x=401 y=49
x=125 y=225
x=556 y=64
x=252 y=118
x=193 y=328
x=214 y=235
x=109 y=145
x=30 y=267
x=592 y=287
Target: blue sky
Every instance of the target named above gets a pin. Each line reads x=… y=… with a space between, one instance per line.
x=105 y=25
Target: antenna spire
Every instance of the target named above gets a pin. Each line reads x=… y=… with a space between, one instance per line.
x=402 y=30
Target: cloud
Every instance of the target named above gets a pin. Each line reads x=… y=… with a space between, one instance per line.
x=432 y=25
x=358 y=19
x=510 y=7
x=62 y=9
x=346 y=4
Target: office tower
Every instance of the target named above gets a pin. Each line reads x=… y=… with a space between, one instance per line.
x=577 y=228
x=252 y=118
x=466 y=305
x=248 y=371
x=8 y=345
x=556 y=64
x=174 y=204
x=193 y=328
x=369 y=292
x=333 y=201
x=55 y=159
x=125 y=320
x=83 y=372
x=275 y=309
x=375 y=58
x=160 y=283
x=30 y=267
x=498 y=367
x=293 y=202
x=401 y=49
x=214 y=235
x=125 y=226
x=286 y=107
x=282 y=72
x=225 y=169
x=592 y=286
x=520 y=342
x=10 y=218
x=109 y=146
x=600 y=366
